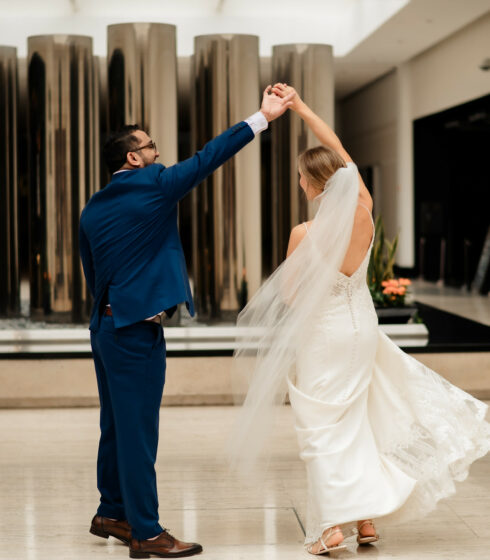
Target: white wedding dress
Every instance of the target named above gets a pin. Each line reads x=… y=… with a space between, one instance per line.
x=381 y=435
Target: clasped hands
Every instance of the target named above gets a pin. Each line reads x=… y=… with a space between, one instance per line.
x=277 y=99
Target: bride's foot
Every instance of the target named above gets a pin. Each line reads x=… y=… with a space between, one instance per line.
x=366 y=532
x=331 y=539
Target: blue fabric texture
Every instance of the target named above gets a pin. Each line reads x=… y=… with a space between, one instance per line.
x=129 y=241
x=130 y=369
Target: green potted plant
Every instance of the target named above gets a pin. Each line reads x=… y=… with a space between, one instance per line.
x=388 y=292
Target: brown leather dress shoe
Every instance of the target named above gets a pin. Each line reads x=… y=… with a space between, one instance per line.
x=164 y=546
x=105 y=528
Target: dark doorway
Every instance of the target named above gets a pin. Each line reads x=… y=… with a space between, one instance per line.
x=452 y=191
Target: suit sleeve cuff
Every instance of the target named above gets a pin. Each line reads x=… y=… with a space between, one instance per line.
x=257 y=122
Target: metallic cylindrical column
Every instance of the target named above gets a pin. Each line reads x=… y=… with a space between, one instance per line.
x=142 y=82
x=308 y=68
x=61 y=156
x=101 y=117
x=9 y=249
x=227 y=232
x=186 y=106
x=23 y=169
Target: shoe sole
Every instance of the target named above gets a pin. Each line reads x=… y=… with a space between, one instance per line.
x=367 y=540
x=327 y=550
x=100 y=533
x=191 y=552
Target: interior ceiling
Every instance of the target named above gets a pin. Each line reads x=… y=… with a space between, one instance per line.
x=370 y=37
x=416 y=27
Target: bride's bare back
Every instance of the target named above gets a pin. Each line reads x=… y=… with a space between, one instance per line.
x=362 y=234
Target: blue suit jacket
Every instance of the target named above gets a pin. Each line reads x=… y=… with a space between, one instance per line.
x=129 y=241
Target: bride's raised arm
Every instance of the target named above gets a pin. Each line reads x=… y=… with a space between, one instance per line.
x=320 y=128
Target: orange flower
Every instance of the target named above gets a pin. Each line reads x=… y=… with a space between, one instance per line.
x=404 y=282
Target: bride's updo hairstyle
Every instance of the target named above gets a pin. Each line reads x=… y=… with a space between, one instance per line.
x=319 y=164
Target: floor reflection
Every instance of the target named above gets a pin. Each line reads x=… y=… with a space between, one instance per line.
x=48 y=490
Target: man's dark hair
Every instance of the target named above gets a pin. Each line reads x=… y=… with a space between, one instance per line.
x=118 y=144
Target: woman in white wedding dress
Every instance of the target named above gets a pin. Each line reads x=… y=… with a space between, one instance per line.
x=382 y=436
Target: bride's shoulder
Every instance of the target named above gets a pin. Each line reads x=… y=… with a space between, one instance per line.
x=363 y=223
x=299 y=231
x=297 y=234
x=365 y=200
x=363 y=217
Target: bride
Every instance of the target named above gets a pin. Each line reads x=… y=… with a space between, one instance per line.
x=382 y=436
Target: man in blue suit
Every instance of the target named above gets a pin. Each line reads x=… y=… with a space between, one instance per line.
x=135 y=269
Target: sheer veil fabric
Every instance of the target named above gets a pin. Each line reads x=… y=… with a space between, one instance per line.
x=271 y=324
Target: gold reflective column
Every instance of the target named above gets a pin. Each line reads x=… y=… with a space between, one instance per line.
x=101 y=118
x=142 y=82
x=185 y=85
x=309 y=69
x=226 y=207
x=9 y=248
x=62 y=171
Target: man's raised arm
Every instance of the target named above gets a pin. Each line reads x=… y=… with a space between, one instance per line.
x=180 y=178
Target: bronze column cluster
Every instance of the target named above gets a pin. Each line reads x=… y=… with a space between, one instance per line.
x=235 y=225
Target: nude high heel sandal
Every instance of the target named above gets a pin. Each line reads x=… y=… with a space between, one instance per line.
x=326 y=549
x=366 y=540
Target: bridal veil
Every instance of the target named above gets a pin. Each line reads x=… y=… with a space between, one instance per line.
x=270 y=326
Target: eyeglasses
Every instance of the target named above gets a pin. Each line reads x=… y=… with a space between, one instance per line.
x=150 y=145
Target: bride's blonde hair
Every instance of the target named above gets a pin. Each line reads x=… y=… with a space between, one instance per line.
x=319 y=164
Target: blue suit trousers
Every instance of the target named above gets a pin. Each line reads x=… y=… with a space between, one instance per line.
x=130 y=369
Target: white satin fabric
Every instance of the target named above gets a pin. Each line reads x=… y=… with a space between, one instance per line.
x=381 y=435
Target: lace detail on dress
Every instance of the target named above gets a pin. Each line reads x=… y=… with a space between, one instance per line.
x=437 y=432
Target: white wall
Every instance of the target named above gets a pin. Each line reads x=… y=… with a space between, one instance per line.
x=369 y=133
x=449 y=74
x=375 y=121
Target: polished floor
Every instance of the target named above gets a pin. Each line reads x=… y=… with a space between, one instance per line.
x=48 y=494
x=459 y=301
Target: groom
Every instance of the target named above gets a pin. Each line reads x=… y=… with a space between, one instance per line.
x=135 y=269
